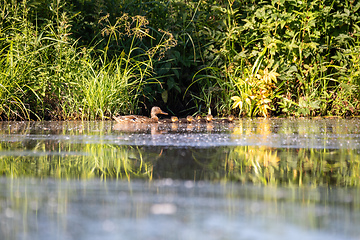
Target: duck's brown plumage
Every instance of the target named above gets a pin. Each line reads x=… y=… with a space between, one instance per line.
x=141 y=119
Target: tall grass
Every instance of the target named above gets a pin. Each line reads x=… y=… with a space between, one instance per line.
x=46 y=75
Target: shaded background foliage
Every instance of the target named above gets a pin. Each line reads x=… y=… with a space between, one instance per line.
x=92 y=59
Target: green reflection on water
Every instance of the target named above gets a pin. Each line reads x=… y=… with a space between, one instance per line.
x=28 y=203
x=77 y=161
x=59 y=158
x=260 y=165
x=316 y=167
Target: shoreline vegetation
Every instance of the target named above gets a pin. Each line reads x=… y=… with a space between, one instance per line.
x=94 y=59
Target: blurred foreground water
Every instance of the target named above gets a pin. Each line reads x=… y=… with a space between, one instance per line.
x=252 y=179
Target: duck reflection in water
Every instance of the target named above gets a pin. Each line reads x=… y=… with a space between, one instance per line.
x=154 y=128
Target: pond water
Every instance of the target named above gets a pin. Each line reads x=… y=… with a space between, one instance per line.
x=251 y=179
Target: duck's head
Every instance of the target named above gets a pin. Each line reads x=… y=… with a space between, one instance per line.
x=155 y=111
x=231 y=118
x=209 y=117
x=174 y=119
x=190 y=119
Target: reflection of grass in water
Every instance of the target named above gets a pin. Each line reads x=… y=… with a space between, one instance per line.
x=258 y=165
x=78 y=161
x=252 y=164
x=266 y=165
x=286 y=167
x=316 y=167
x=60 y=158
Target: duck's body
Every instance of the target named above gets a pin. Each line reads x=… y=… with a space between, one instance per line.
x=141 y=119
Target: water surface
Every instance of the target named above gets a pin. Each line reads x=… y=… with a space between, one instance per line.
x=253 y=179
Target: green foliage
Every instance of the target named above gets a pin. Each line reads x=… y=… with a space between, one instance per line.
x=311 y=44
x=255 y=89
x=46 y=75
x=91 y=59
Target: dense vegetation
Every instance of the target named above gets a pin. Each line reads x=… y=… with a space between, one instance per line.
x=91 y=59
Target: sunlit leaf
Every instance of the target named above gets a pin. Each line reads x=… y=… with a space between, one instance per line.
x=264 y=101
x=164 y=96
x=237 y=103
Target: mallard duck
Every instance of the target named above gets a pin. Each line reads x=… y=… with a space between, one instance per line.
x=141 y=119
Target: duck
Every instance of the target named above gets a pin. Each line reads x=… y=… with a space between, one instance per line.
x=199 y=119
x=141 y=119
x=173 y=119
x=207 y=119
x=188 y=119
x=229 y=119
